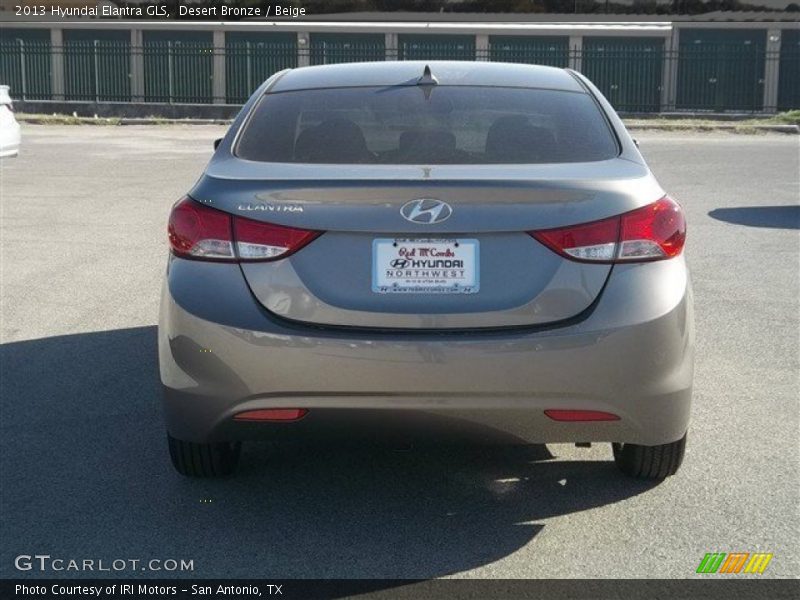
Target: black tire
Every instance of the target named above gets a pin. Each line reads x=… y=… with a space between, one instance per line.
x=650 y=462
x=203 y=460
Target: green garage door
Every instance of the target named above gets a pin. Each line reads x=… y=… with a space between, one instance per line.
x=178 y=66
x=721 y=70
x=534 y=50
x=436 y=47
x=330 y=48
x=789 y=75
x=251 y=58
x=626 y=70
x=97 y=65
x=25 y=63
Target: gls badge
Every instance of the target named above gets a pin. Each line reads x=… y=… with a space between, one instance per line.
x=426 y=211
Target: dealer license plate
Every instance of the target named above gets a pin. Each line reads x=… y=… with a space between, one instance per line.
x=425 y=266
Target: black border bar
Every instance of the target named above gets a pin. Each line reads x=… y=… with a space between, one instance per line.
x=712 y=587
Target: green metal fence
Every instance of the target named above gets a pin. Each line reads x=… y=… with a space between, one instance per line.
x=725 y=77
x=178 y=72
x=332 y=48
x=439 y=47
x=26 y=67
x=552 y=51
x=720 y=69
x=627 y=71
x=719 y=76
x=789 y=71
x=250 y=59
x=97 y=70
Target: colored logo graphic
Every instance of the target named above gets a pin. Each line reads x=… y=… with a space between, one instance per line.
x=735 y=562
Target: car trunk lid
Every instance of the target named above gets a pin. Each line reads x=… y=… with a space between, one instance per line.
x=507 y=279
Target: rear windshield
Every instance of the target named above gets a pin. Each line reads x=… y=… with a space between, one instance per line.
x=427 y=125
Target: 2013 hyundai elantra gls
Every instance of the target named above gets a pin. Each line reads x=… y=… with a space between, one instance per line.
x=475 y=242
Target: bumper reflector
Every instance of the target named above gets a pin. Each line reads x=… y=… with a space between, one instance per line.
x=272 y=414
x=581 y=415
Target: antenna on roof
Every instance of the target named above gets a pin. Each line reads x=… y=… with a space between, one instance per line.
x=427 y=77
x=427 y=81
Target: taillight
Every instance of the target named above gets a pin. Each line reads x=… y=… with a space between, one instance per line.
x=653 y=232
x=197 y=231
x=264 y=241
x=596 y=241
x=205 y=233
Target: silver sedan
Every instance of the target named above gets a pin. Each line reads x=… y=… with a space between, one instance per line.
x=466 y=242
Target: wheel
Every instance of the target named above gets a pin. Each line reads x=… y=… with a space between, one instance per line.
x=650 y=462
x=203 y=460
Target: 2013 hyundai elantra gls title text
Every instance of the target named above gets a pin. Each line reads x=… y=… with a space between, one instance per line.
x=467 y=241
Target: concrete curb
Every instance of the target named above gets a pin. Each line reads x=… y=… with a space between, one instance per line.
x=129 y=110
x=72 y=120
x=738 y=128
x=741 y=127
x=157 y=121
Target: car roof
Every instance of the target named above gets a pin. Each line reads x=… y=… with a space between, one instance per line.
x=446 y=73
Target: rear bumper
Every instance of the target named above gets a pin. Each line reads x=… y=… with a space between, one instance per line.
x=632 y=355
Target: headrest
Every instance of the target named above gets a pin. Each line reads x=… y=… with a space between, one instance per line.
x=512 y=138
x=334 y=140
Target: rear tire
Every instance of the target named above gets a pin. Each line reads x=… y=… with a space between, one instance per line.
x=650 y=462
x=203 y=460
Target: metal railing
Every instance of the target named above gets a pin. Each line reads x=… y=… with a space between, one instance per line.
x=178 y=72
x=26 y=67
x=97 y=70
x=632 y=79
x=719 y=78
x=248 y=64
x=725 y=77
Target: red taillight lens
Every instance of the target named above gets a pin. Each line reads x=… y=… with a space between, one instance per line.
x=596 y=241
x=264 y=241
x=205 y=233
x=197 y=231
x=653 y=232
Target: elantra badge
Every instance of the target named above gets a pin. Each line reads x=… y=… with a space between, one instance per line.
x=291 y=208
x=426 y=211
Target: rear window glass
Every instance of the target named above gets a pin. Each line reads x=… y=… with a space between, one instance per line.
x=427 y=125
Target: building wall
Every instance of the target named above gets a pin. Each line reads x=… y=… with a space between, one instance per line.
x=640 y=66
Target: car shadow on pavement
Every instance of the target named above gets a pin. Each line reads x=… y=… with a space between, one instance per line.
x=776 y=217
x=85 y=474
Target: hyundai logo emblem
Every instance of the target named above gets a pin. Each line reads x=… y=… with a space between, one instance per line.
x=426 y=211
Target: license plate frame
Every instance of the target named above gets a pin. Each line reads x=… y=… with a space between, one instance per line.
x=433 y=266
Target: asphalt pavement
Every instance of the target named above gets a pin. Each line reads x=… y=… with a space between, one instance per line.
x=84 y=471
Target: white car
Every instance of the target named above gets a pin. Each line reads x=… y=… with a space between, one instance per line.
x=9 y=128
